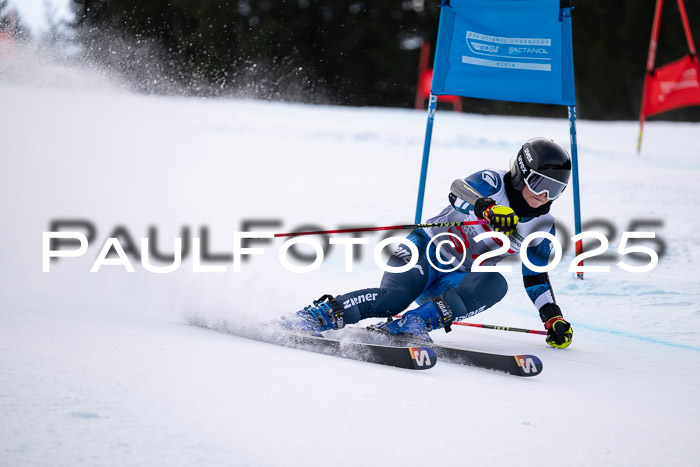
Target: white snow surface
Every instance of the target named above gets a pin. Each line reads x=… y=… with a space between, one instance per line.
x=104 y=369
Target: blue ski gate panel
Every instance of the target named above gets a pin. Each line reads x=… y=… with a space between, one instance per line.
x=509 y=50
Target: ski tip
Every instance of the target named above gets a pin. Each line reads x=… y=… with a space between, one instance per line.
x=423 y=357
x=529 y=365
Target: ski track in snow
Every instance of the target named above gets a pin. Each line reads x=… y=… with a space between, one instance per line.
x=104 y=369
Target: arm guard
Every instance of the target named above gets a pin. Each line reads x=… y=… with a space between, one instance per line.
x=537 y=284
x=465 y=192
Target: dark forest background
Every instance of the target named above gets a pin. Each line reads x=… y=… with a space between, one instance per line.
x=362 y=53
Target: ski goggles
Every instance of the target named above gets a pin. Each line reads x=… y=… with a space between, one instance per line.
x=538 y=184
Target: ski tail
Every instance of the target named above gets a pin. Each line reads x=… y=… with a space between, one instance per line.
x=410 y=357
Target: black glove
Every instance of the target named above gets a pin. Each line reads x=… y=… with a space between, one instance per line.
x=559 y=332
x=502 y=218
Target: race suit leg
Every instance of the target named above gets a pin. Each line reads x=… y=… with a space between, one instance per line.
x=397 y=290
x=467 y=293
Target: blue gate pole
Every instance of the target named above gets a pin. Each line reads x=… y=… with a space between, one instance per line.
x=574 y=169
x=432 y=107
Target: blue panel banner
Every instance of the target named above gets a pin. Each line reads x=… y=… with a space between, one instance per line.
x=511 y=50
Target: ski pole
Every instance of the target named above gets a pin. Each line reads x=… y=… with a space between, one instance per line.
x=390 y=227
x=491 y=326
x=500 y=328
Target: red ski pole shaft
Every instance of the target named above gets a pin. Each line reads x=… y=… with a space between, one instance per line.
x=389 y=227
x=498 y=328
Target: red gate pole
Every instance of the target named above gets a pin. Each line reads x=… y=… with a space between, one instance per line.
x=650 y=66
x=686 y=26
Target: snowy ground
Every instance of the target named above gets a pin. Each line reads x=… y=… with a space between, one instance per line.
x=103 y=369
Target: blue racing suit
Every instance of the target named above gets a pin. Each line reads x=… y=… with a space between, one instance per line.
x=466 y=292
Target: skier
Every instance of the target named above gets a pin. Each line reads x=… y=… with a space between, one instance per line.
x=515 y=203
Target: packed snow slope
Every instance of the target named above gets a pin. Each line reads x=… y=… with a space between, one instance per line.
x=103 y=368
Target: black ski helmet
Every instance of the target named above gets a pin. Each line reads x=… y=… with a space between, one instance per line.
x=543 y=165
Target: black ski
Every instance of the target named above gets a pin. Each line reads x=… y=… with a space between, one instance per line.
x=517 y=365
x=411 y=357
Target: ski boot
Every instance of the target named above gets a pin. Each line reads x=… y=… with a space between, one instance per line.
x=325 y=314
x=416 y=324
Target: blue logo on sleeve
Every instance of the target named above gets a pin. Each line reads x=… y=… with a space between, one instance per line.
x=491 y=178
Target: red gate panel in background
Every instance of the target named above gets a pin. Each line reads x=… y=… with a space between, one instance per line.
x=671 y=86
x=425 y=81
